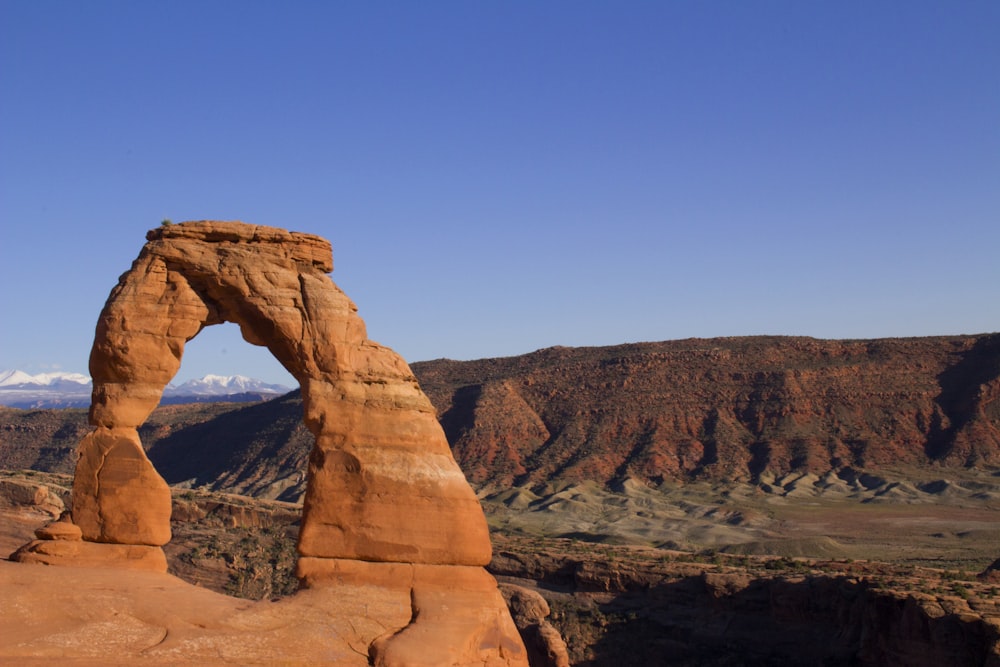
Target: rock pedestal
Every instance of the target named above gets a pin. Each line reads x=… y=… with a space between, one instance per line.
x=385 y=498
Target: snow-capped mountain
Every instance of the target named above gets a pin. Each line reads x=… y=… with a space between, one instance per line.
x=224 y=385
x=22 y=379
x=72 y=390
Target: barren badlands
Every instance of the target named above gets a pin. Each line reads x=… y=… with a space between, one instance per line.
x=745 y=501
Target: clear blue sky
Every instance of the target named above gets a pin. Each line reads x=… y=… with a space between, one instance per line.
x=498 y=177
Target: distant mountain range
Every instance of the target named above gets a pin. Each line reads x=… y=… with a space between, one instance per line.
x=748 y=409
x=72 y=390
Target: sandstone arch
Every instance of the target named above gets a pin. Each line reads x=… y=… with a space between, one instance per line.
x=385 y=502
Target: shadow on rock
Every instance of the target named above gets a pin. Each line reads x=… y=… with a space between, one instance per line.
x=736 y=621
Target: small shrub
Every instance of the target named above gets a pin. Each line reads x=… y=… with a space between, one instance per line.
x=961 y=591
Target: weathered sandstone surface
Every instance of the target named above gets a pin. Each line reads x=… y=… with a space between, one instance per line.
x=111 y=616
x=386 y=507
x=546 y=647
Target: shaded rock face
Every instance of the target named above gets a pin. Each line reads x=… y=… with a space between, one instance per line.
x=383 y=486
x=613 y=610
x=530 y=610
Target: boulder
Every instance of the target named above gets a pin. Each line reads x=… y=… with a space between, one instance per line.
x=16 y=493
x=545 y=646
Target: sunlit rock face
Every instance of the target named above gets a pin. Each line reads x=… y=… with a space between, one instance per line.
x=383 y=485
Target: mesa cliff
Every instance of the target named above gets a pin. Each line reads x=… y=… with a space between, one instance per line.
x=731 y=409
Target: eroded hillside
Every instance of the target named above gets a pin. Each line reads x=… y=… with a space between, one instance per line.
x=721 y=409
x=750 y=409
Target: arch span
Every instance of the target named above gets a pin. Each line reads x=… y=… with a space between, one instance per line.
x=387 y=511
x=382 y=483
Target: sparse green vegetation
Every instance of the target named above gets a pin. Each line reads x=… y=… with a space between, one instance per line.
x=961 y=590
x=259 y=562
x=262 y=565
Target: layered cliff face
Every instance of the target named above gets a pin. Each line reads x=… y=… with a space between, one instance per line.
x=723 y=409
x=728 y=408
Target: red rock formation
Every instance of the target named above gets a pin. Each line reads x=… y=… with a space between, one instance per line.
x=726 y=408
x=546 y=647
x=384 y=493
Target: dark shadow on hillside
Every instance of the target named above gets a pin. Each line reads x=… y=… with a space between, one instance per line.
x=961 y=398
x=243 y=449
x=730 y=621
x=460 y=417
